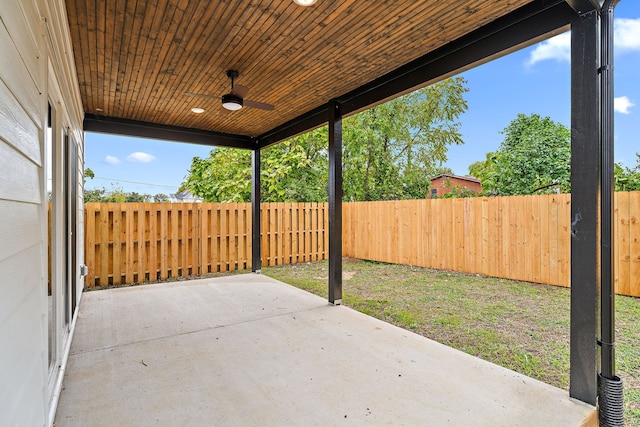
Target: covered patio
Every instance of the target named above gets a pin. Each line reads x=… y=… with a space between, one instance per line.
x=181 y=71
x=239 y=350
x=249 y=350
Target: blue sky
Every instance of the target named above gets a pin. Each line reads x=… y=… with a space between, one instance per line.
x=533 y=80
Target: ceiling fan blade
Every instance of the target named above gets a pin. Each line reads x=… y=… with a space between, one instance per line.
x=240 y=90
x=200 y=95
x=260 y=105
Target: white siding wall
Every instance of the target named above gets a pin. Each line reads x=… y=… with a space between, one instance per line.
x=33 y=34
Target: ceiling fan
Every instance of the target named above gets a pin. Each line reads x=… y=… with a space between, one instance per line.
x=234 y=100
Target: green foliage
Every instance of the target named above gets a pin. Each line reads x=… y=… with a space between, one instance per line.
x=118 y=195
x=390 y=151
x=88 y=173
x=457 y=192
x=483 y=168
x=627 y=179
x=534 y=157
x=295 y=170
x=160 y=198
x=224 y=176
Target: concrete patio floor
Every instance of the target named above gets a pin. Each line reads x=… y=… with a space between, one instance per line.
x=247 y=350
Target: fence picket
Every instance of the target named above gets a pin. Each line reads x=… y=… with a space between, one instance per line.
x=543 y=215
x=624 y=246
x=564 y=239
x=634 y=247
x=89 y=240
x=106 y=255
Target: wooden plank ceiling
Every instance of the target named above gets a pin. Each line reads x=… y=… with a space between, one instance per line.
x=136 y=59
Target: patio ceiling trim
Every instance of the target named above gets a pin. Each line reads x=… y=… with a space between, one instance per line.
x=113 y=125
x=523 y=27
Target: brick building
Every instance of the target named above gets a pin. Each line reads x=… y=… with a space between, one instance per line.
x=445 y=183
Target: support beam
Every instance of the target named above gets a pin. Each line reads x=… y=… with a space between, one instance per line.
x=586 y=161
x=335 y=203
x=301 y=124
x=116 y=126
x=256 y=261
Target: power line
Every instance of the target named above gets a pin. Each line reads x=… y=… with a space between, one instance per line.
x=134 y=182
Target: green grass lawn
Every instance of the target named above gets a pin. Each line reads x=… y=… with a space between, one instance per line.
x=519 y=325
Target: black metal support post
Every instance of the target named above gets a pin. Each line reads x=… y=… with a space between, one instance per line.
x=610 y=391
x=608 y=294
x=585 y=205
x=256 y=261
x=335 y=203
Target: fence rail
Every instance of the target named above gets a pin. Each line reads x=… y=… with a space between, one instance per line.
x=521 y=238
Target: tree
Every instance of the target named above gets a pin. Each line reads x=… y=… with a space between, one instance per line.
x=160 y=198
x=627 y=179
x=295 y=170
x=118 y=195
x=534 y=156
x=224 y=176
x=390 y=152
x=482 y=168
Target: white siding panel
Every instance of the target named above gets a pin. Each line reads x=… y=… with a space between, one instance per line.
x=17 y=128
x=22 y=22
x=22 y=333
x=19 y=227
x=19 y=177
x=16 y=76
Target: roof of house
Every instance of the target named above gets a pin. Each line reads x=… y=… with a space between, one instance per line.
x=465 y=178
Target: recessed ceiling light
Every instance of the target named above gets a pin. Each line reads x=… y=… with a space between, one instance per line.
x=305 y=2
x=197 y=110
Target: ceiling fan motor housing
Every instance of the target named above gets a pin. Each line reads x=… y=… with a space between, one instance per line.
x=231 y=101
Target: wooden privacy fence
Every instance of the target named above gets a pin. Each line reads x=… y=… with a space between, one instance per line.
x=521 y=238
x=137 y=242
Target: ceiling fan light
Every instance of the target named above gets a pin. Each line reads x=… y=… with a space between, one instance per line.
x=305 y=2
x=231 y=102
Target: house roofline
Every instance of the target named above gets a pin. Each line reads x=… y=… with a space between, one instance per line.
x=447 y=175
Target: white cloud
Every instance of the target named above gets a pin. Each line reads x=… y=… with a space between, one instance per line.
x=557 y=48
x=627 y=33
x=622 y=104
x=140 y=157
x=112 y=160
x=626 y=37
